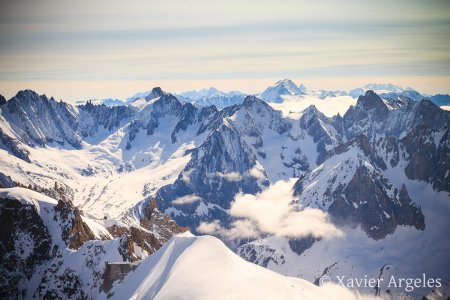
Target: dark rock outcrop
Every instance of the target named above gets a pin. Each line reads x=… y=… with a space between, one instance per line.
x=115 y=272
x=13 y=145
x=80 y=232
x=429 y=156
x=300 y=245
x=364 y=201
x=152 y=222
x=25 y=243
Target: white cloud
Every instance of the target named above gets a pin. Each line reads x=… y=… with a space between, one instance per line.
x=239 y=229
x=231 y=176
x=272 y=212
x=186 y=199
x=294 y=106
x=257 y=172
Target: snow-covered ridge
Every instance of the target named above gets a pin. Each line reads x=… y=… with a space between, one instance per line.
x=219 y=274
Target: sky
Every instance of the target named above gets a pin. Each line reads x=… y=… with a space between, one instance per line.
x=78 y=50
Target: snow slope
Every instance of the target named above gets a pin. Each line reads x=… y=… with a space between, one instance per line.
x=190 y=267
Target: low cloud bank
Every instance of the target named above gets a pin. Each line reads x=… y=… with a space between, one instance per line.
x=272 y=212
x=186 y=199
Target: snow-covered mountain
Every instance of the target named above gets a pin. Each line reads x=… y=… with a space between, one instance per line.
x=392 y=93
x=212 y=96
x=281 y=88
x=203 y=97
x=374 y=174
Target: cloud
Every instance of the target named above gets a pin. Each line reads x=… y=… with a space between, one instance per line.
x=186 y=199
x=257 y=171
x=272 y=212
x=231 y=176
x=238 y=229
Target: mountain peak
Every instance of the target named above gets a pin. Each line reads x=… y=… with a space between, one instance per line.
x=371 y=101
x=249 y=100
x=157 y=92
x=284 y=87
x=312 y=109
x=26 y=93
x=285 y=81
x=2 y=100
x=213 y=90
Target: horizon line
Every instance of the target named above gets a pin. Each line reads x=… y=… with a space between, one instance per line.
x=70 y=91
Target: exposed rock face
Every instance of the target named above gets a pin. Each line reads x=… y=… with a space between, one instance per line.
x=366 y=116
x=259 y=115
x=429 y=156
x=260 y=254
x=222 y=153
x=69 y=285
x=92 y=118
x=314 y=122
x=167 y=105
x=6 y=181
x=350 y=185
x=372 y=117
x=38 y=121
x=75 y=231
x=301 y=244
x=362 y=142
x=156 y=221
x=390 y=150
x=156 y=92
x=80 y=233
x=25 y=244
x=156 y=229
x=13 y=145
x=365 y=201
x=127 y=249
x=114 y=272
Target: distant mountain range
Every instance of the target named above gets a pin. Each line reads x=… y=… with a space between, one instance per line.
x=279 y=91
x=212 y=96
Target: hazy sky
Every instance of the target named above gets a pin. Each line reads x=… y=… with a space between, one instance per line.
x=107 y=48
